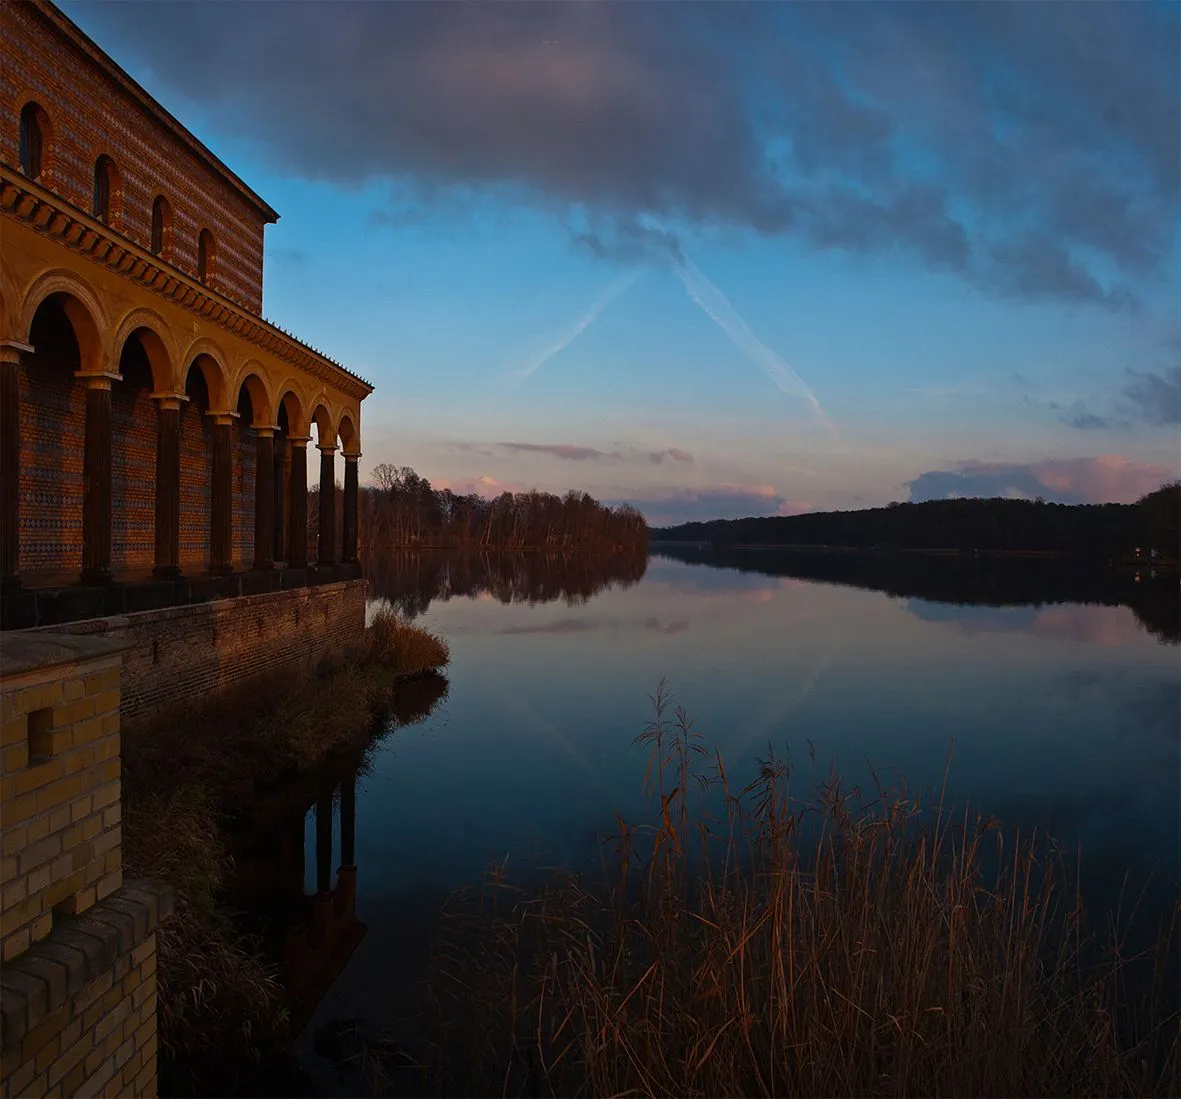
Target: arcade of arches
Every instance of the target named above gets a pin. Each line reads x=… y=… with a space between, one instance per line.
x=122 y=458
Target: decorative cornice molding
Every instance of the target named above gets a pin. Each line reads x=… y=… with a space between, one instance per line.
x=50 y=215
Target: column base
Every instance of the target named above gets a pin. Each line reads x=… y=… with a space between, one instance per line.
x=221 y=570
x=97 y=576
x=263 y=566
x=166 y=572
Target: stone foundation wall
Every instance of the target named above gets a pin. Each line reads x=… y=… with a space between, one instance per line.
x=180 y=654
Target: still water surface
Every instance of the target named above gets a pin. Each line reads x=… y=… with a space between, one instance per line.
x=1063 y=716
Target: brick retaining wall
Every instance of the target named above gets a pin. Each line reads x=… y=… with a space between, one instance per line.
x=183 y=653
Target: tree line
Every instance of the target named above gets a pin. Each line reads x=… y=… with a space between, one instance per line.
x=1153 y=523
x=400 y=510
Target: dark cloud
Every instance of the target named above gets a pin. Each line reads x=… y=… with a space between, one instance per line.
x=571 y=453
x=1106 y=478
x=1156 y=397
x=1031 y=148
x=1086 y=421
x=558 y=450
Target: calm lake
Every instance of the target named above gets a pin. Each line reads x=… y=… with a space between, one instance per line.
x=1063 y=714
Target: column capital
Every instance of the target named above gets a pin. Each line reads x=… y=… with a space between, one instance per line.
x=98 y=379
x=169 y=400
x=12 y=350
x=328 y=449
x=222 y=419
x=299 y=440
x=352 y=456
x=266 y=431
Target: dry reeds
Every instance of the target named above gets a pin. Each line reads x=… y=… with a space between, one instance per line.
x=847 y=945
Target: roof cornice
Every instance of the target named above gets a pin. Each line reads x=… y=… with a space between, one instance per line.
x=52 y=216
x=61 y=23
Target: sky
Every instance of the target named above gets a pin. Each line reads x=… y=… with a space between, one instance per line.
x=715 y=260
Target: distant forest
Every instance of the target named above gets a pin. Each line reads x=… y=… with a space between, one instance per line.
x=987 y=526
x=400 y=510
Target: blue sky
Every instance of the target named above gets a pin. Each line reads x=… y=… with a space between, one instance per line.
x=716 y=260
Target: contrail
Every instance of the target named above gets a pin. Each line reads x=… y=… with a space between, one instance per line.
x=613 y=291
x=716 y=306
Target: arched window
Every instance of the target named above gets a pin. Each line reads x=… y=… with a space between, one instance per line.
x=104 y=181
x=205 y=256
x=32 y=140
x=161 y=227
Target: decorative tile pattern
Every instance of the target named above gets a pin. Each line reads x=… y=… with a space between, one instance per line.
x=133 y=476
x=53 y=438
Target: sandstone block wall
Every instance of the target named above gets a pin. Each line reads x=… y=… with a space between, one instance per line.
x=79 y=1009
x=78 y=983
x=180 y=654
x=59 y=794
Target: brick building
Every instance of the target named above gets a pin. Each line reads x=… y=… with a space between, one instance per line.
x=153 y=426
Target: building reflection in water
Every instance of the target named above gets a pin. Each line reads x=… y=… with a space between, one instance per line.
x=307 y=921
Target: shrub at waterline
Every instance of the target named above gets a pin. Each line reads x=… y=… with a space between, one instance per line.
x=834 y=947
x=185 y=777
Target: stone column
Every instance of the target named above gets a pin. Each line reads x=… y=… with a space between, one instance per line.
x=264 y=500
x=348 y=551
x=96 y=480
x=327 y=553
x=297 y=512
x=10 y=463
x=167 y=565
x=221 y=496
x=279 y=478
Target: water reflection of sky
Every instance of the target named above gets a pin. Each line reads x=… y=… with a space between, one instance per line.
x=1064 y=716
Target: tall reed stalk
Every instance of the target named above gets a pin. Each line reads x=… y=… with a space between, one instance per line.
x=748 y=943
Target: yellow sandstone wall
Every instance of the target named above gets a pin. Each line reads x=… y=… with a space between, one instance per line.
x=78 y=984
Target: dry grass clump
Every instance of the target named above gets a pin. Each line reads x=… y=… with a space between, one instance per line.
x=184 y=776
x=405 y=649
x=848 y=945
x=221 y=1005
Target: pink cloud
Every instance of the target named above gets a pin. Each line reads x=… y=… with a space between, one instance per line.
x=1107 y=478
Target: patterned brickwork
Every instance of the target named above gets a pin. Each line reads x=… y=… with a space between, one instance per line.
x=196 y=458
x=133 y=477
x=245 y=442
x=183 y=654
x=91 y=115
x=53 y=433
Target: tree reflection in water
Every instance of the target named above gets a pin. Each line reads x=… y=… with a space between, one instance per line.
x=411 y=581
x=1153 y=597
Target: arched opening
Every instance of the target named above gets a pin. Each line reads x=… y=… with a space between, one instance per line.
x=33 y=140
x=206 y=257
x=245 y=451
x=105 y=187
x=196 y=468
x=290 y=420
x=133 y=456
x=323 y=434
x=53 y=438
x=161 y=228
